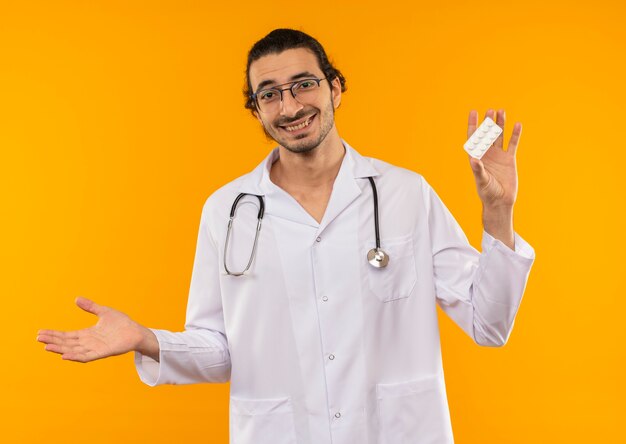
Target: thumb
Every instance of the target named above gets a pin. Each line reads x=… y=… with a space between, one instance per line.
x=89 y=305
x=479 y=171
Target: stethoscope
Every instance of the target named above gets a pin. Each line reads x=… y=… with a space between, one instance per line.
x=376 y=256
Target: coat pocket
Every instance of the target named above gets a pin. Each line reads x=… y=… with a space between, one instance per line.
x=414 y=412
x=398 y=278
x=261 y=421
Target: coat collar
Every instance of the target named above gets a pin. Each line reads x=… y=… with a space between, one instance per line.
x=258 y=180
x=279 y=203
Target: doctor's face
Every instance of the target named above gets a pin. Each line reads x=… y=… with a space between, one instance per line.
x=302 y=123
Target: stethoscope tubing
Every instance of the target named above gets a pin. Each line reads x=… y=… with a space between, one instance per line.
x=256 y=234
x=376 y=229
x=377 y=257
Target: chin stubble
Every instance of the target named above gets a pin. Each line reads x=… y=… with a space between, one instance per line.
x=324 y=130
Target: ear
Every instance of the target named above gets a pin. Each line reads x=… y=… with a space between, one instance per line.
x=335 y=90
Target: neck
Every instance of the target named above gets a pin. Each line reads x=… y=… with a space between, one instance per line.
x=314 y=169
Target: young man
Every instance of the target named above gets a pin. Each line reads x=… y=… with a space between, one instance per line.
x=323 y=317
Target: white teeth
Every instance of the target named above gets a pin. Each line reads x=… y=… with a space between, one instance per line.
x=297 y=127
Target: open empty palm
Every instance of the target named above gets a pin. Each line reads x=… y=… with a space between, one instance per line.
x=115 y=333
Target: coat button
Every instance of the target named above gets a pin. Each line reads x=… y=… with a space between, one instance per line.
x=337 y=415
x=324 y=298
x=331 y=357
x=319 y=239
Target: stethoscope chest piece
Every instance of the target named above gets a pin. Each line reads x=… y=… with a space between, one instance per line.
x=377 y=258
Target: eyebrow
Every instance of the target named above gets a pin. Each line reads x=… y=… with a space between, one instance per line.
x=300 y=75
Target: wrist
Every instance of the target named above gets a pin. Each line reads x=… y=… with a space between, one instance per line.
x=498 y=222
x=147 y=343
x=498 y=215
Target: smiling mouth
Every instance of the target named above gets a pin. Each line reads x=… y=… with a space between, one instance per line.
x=300 y=126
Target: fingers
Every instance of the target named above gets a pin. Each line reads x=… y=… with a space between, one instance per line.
x=472 y=123
x=66 y=344
x=58 y=334
x=79 y=357
x=517 y=132
x=73 y=345
x=58 y=342
x=58 y=348
x=60 y=338
x=65 y=348
x=491 y=114
x=500 y=117
x=76 y=357
x=52 y=339
x=89 y=305
x=482 y=179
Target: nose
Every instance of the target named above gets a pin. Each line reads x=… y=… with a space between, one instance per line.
x=289 y=106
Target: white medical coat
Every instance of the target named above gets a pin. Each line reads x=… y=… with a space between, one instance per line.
x=319 y=346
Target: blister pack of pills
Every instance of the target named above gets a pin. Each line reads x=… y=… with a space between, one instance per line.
x=484 y=136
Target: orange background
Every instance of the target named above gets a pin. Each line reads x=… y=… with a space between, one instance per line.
x=118 y=119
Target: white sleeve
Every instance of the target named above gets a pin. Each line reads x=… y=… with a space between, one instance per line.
x=479 y=292
x=200 y=353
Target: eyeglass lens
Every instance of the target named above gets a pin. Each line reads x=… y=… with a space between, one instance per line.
x=303 y=91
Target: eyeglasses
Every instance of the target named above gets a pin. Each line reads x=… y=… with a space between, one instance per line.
x=304 y=91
